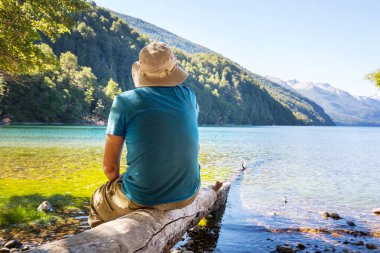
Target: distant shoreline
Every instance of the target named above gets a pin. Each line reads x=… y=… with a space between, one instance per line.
x=204 y=125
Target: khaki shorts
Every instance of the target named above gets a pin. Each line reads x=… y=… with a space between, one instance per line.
x=108 y=203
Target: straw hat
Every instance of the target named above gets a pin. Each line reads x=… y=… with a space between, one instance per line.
x=157 y=66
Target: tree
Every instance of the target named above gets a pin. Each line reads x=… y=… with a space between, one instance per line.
x=22 y=22
x=112 y=89
x=374 y=77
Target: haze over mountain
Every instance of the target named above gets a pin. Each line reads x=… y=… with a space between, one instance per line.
x=157 y=33
x=344 y=108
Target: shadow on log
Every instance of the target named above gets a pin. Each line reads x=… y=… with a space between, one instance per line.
x=145 y=230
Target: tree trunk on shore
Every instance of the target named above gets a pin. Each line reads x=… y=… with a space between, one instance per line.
x=145 y=230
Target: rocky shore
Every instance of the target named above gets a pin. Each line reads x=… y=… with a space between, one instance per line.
x=201 y=238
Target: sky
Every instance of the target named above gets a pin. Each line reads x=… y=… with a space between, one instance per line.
x=327 y=41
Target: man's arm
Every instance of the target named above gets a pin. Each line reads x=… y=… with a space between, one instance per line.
x=112 y=154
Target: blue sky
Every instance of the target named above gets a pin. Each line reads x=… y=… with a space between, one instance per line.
x=333 y=41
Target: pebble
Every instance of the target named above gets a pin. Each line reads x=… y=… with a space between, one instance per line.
x=5 y=250
x=370 y=246
x=301 y=246
x=359 y=243
x=284 y=249
x=13 y=244
x=25 y=248
x=45 y=206
x=334 y=216
x=376 y=211
x=188 y=251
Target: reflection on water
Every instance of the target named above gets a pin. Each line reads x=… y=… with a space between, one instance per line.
x=294 y=175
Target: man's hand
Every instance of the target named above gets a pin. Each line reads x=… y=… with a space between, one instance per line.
x=112 y=154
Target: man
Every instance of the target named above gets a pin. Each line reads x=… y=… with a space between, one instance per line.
x=158 y=123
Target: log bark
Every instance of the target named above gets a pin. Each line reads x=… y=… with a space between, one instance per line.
x=145 y=230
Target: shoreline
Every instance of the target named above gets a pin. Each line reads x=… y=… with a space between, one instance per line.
x=204 y=236
x=96 y=124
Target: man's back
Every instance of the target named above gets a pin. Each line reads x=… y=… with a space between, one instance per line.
x=161 y=134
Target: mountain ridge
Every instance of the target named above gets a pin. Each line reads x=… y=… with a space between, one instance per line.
x=160 y=34
x=343 y=107
x=302 y=108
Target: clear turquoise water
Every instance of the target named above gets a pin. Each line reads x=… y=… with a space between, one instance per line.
x=316 y=169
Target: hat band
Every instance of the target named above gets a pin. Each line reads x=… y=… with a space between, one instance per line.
x=159 y=74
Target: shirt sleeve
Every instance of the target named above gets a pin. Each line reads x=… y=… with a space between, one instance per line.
x=117 y=120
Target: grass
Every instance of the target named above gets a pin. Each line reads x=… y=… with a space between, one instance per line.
x=64 y=176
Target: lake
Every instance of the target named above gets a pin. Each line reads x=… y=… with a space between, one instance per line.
x=293 y=175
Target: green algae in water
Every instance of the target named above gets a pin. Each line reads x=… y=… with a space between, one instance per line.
x=66 y=176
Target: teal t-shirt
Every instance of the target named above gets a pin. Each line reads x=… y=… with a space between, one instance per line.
x=161 y=133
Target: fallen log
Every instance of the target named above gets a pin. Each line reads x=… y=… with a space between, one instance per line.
x=145 y=230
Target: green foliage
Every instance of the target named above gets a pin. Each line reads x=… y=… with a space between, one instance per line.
x=63 y=95
x=21 y=25
x=374 y=77
x=112 y=89
x=105 y=43
x=18 y=214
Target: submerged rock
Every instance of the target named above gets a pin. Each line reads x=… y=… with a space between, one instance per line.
x=371 y=246
x=45 y=206
x=351 y=223
x=5 y=250
x=284 y=249
x=300 y=246
x=359 y=243
x=334 y=216
x=376 y=211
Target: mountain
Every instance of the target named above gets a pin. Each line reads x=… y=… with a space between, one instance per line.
x=302 y=107
x=344 y=108
x=304 y=110
x=159 y=34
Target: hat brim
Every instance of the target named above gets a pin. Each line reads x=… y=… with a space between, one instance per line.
x=173 y=79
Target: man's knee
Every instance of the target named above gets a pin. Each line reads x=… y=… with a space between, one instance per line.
x=108 y=203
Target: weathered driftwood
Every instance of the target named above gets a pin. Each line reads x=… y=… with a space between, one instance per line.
x=145 y=230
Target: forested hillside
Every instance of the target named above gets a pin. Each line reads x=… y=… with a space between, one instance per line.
x=305 y=110
x=95 y=63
